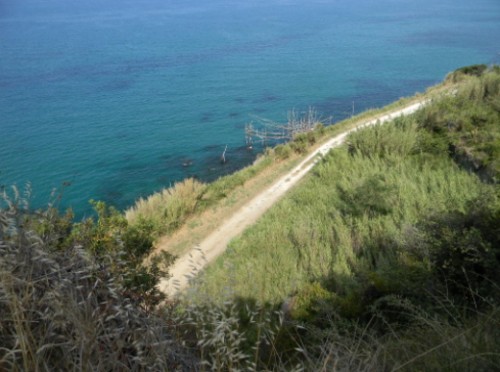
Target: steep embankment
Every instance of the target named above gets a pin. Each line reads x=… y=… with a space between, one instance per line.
x=377 y=215
x=212 y=246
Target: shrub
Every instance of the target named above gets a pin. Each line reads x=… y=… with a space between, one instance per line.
x=464 y=249
x=319 y=129
x=474 y=70
x=311 y=137
x=300 y=143
x=468 y=123
x=463 y=72
x=398 y=139
x=283 y=151
x=238 y=335
x=309 y=301
x=375 y=196
x=64 y=310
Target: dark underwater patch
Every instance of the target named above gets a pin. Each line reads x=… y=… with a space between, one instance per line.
x=207 y=117
x=211 y=168
x=267 y=98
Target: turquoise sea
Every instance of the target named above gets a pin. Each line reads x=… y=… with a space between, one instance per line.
x=113 y=96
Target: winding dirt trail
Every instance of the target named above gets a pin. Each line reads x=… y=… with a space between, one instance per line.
x=188 y=266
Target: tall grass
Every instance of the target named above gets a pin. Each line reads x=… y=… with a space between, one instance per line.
x=428 y=342
x=468 y=122
x=165 y=211
x=168 y=209
x=238 y=335
x=61 y=311
x=385 y=258
x=348 y=217
x=363 y=199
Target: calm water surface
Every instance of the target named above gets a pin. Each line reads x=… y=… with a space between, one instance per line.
x=114 y=96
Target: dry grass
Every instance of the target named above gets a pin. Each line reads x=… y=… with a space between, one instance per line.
x=202 y=221
x=428 y=342
x=60 y=311
x=199 y=226
x=167 y=209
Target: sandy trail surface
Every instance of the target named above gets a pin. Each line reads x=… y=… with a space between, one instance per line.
x=188 y=266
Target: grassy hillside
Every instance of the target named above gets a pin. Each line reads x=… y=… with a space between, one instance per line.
x=398 y=228
x=386 y=257
x=348 y=218
x=359 y=209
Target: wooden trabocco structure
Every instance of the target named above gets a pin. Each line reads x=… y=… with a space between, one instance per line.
x=268 y=131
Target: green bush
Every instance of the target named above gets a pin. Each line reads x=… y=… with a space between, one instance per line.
x=468 y=123
x=300 y=143
x=65 y=309
x=311 y=137
x=374 y=196
x=319 y=130
x=283 y=151
x=464 y=249
x=463 y=72
x=309 y=301
x=474 y=70
x=398 y=139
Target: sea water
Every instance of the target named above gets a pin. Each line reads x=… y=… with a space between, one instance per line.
x=115 y=99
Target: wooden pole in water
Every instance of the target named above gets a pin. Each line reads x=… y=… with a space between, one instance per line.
x=223 y=157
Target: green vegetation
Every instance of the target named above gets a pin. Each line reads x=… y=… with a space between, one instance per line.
x=164 y=212
x=168 y=209
x=350 y=217
x=464 y=72
x=76 y=296
x=396 y=234
x=385 y=258
x=468 y=124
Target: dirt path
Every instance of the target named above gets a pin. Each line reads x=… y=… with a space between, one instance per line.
x=189 y=265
